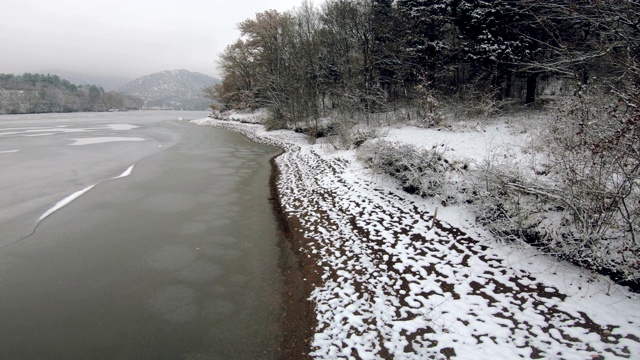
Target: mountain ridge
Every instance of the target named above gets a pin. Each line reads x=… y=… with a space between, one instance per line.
x=171 y=89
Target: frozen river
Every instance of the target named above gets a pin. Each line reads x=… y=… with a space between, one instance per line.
x=135 y=236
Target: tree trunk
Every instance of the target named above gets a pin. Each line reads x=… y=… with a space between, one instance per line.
x=507 y=85
x=585 y=76
x=532 y=81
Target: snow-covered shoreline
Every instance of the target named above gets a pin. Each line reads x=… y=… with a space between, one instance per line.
x=394 y=283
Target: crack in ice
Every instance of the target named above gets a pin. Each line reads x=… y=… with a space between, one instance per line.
x=64 y=202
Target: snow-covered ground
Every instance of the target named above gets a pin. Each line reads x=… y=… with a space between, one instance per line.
x=397 y=283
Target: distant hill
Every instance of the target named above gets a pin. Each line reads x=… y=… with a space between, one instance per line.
x=175 y=89
x=39 y=93
x=107 y=82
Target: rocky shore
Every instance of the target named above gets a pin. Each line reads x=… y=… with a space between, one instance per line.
x=372 y=273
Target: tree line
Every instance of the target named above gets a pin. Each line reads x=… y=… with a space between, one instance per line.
x=375 y=55
x=331 y=68
x=39 y=93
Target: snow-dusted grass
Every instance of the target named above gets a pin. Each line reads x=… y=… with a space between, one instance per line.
x=399 y=283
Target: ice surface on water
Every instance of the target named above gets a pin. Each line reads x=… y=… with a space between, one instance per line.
x=45 y=131
x=105 y=139
x=174 y=303
x=169 y=202
x=171 y=257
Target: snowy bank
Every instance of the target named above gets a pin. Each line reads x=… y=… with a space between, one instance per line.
x=395 y=282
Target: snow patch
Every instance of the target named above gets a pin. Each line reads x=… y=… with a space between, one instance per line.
x=37 y=135
x=103 y=139
x=47 y=131
x=121 y=127
x=64 y=202
x=125 y=173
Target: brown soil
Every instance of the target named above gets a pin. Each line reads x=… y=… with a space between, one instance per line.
x=300 y=274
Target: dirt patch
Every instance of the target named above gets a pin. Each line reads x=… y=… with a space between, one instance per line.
x=298 y=321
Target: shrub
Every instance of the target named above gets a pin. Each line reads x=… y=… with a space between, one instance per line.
x=425 y=172
x=472 y=103
x=586 y=205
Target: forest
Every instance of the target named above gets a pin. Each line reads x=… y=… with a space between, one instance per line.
x=363 y=56
x=39 y=93
x=339 y=68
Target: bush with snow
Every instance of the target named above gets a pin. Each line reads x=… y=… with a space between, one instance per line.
x=577 y=196
x=583 y=204
x=425 y=172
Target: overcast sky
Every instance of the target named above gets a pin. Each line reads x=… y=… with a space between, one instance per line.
x=123 y=38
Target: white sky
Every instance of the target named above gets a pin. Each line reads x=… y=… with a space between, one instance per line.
x=123 y=38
